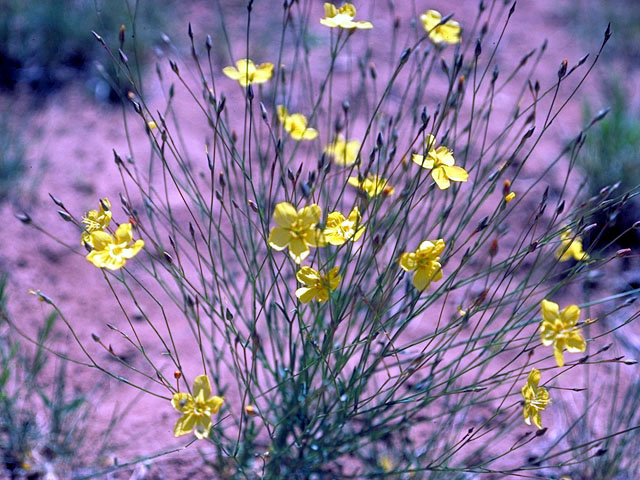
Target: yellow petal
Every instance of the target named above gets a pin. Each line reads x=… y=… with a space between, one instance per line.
x=263 y=73
x=421 y=279
x=440 y=177
x=437 y=272
x=438 y=246
x=543 y=397
x=184 y=425
x=577 y=252
x=364 y=25
x=563 y=253
x=430 y=19
x=450 y=32
x=358 y=234
x=285 y=214
x=575 y=343
x=282 y=113
x=547 y=333
x=279 y=238
x=203 y=426
x=334 y=278
x=354 y=181
x=445 y=156
x=422 y=161
x=526 y=411
x=537 y=421
x=296 y=134
x=310 y=215
x=100 y=240
x=310 y=134
x=201 y=385
x=308 y=276
x=570 y=315
x=103 y=259
x=457 y=174
x=322 y=294
x=348 y=9
x=334 y=237
x=214 y=403
x=427 y=274
x=245 y=66
x=133 y=250
x=298 y=250
x=335 y=219
x=328 y=22
x=429 y=142
x=426 y=246
x=352 y=148
x=330 y=10
x=232 y=73
x=296 y=121
x=354 y=215
x=306 y=294
x=123 y=233
x=408 y=261
x=181 y=400
x=558 y=354
x=550 y=310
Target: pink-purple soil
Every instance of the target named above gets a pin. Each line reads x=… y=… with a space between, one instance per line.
x=70 y=143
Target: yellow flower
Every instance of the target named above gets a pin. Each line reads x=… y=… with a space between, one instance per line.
x=317 y=285
x=535 y=399
x=95 y=220
x=509 y=196
x=196 y=409
x=112 y=252
x=296 y=125
x=344 y=153
x=441 y=161
x=296 y=230
x=385 y=463
x=558 y=328
x=448 y=32
x=342 y=17
x=571 y=246
x=373 y=185
x=340 y=229
x=425 y=261
x=248 y=73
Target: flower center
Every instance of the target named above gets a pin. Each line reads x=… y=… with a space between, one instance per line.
x=425 y=260
x=538 y=403
x=344 y=229
x=115 y=249
x=201 y=409
x=298 y=229
x=437 y=161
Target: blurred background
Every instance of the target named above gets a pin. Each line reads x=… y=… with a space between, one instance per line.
x=47 y=50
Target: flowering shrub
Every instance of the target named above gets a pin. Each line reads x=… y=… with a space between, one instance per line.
x=418 y=317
